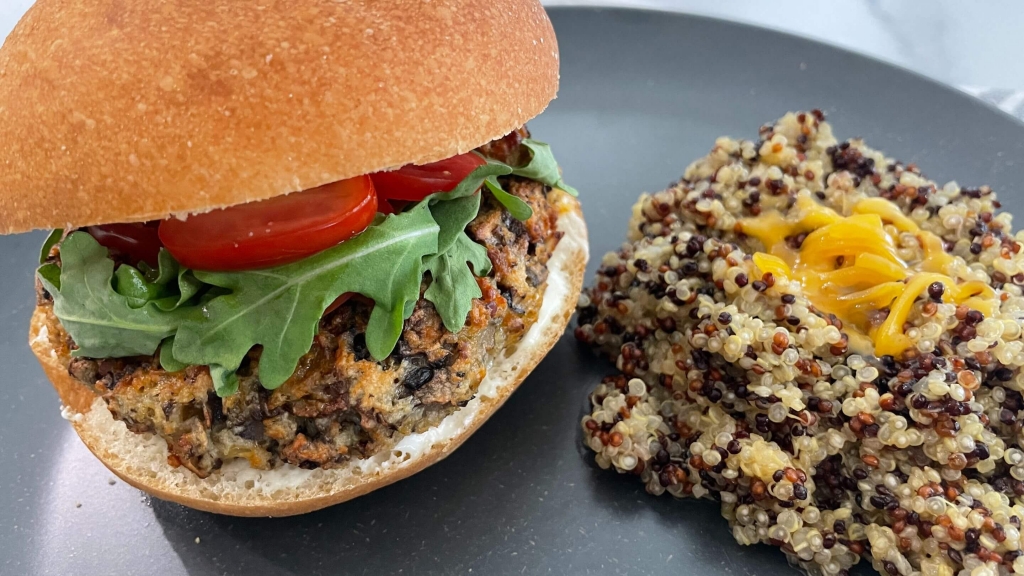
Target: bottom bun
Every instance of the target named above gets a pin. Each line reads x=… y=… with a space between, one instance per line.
x=239 y=490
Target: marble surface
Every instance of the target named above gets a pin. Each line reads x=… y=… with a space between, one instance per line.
x=974 y=45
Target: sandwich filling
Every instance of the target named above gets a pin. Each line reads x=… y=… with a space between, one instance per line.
x=350 y=391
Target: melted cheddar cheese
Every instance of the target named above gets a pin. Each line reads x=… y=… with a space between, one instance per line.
x=850 y=266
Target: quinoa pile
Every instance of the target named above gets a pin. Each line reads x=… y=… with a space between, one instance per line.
x=827 y=343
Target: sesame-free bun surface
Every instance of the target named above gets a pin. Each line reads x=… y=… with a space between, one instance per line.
x=237 y=489
x=132 y=110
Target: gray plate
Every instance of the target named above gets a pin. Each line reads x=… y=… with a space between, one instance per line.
x=643 y=94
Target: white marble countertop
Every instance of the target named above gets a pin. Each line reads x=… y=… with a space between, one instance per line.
x=956 y=42
x=966 y=44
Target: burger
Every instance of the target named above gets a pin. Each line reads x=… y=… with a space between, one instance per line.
x=298 y=251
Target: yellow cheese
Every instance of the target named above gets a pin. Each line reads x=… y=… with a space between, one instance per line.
x=935 y=257
x=777 y=266
x=772 y=228
x=887 y=211
x=849 y=266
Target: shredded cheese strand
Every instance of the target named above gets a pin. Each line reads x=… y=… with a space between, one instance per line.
x=849 y=266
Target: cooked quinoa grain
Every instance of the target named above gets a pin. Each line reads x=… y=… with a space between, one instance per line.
x=830 y=345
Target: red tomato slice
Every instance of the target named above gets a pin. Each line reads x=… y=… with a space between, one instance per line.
x=415 y=183
x=275 y=231
x=345 y=298
x=338 y=302
x=138 y=241
x=391 y=206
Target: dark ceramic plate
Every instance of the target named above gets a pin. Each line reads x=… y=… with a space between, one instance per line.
x=643 y=94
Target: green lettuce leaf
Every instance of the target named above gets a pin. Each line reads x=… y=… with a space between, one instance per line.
x=101 y=321
x=279 y=308
x=50 y=272
x=225 y=381
x=542 y=167
x=515 y=205
x=51 y=240
x=453 y=286
x=145 y=284
x=167 y=361
x=452 y=217
x=470 y=184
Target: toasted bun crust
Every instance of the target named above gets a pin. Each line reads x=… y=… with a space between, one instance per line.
x=141 y=460
x=122 y=111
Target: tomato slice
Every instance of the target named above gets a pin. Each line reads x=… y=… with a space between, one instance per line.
x=338 y=302
x=414 y=183
x=138 y=241
x=275 y=231
x=391 y=206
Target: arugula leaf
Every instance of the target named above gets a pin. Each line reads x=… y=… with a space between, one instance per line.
x=100 y=320
x=133 y=285
x=167 y=361
x=453 y=286
x=225 y=382
x=50 y=276
x=166 y=268
x=188 y=286
x=542 y=167
x=452 y=217
x=145 y=284
x=470 y=184
x=515 y=205
x=50 y=272
x=280 y=308
x=51 y=240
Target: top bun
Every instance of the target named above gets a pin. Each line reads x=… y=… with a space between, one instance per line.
x=124 y=111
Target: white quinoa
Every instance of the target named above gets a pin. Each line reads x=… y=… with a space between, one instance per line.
x=734 y=386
